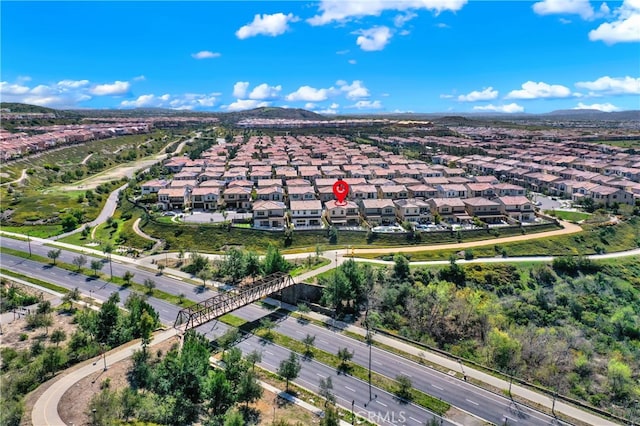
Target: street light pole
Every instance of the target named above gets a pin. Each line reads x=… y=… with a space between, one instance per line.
x=29 y=242
x=353 y=415
x=104 y=358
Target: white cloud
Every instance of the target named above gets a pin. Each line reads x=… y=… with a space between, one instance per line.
x=404 y=33
x=309 y=105
x=332 y=110
x=565 y=21
x=573 y=7
x=116 y=88
x=64 y=94
x=442 y=25
x=139 y=78
x=613 y=86
x=355 y=90
x=72 y=84
x=243 y=104
x=271 y=25
x=240 y=89
x=311 y=94
x=340 y=11
x=352 y=61
x=12 y=89
x=342 y=52
x=375 y=38
x=187 y=101
x=205 y=54
x=447 y=96
x=264 y=91
x=625 y=27
x=608 y=107
x=484 y=95
x=510 y=108
x=367 y=105
x=533 y=90
x=402 y=19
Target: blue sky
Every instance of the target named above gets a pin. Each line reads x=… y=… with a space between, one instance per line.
x=331 y=57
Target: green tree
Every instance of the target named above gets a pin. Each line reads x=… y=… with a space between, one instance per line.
x=289 y=368
x=344 y=355
x=217 y=393
x=326 y=391
x=53 y=359
x=54 y=254
x=149 y=285
x=504 y=351
x=147 y=325
x=233 y=417
x=249 y=389
x=403 y=390
x=331 y=417
x=253 y=358
x=58 y=335
x=620 y=379
x=80 y=261
x=71 y=296
x=107 y=320
x=252 y=265
x=69 y=222
x=205 y=275
x=308 y=342
x=268 y=325
x=96 y=265
x=127 y=277
x=274 y=261
x=337 y=290
x=228 y=339
x=234 y=265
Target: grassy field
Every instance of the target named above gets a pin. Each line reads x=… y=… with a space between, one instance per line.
x=594 y=239
x=43 y=198
x=212 y=239
x=568 y=216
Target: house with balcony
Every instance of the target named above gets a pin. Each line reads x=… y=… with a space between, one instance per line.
x=301 y=193
x=488 y=211
x=608 y=195
x=270 y=193
x=174 y=198
x=363 y=192
x=485 y=190
x=237 y=197
x=413 y=210
x=517 y=208
x=206 y=198
x=422 y=191
x=393 y=192
x=451 y=210
x=338 y=215
x=452 y=191
x=378 y=212
x=269 y=214
x=153 y=186
x=509 y=190
x=306 y=213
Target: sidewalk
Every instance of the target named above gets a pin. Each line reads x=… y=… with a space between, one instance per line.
x=529 y=395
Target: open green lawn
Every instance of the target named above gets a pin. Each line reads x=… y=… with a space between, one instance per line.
x=569 y=216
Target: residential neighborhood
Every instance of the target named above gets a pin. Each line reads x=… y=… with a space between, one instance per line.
x=288 y=180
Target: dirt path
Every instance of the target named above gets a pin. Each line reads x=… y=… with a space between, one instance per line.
x=22 y=177
x=137 y=230
x=567 y=228
x=84 y=161
x=118 y=172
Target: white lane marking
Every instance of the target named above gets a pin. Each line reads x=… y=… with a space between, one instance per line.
x=376 y=362
x=473 y=402
x=323 y=341
x=437 y=387
x=381 y=403
x=352 y=390
x=299 y=332
x=509 y=418
x=320 y=375
x=269 y=352
x=415 y=420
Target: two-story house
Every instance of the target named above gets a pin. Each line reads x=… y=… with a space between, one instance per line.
x=237 y=197
x=306 y=213
x=269 y=214
x=378 y=212
x=153 y=186
x=518 y=208
x=393 y=192
x=174 y=198
x=206 y=198
x=342 y=215
x=363 y=192
x=450 y=210
x=301 y=193
x=413 y=210
x=486 y=210
x=270 y=193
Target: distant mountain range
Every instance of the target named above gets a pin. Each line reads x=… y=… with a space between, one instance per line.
x=302 y=114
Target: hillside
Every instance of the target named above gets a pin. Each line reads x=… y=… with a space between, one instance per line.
x=273 y=112
x=26 y=108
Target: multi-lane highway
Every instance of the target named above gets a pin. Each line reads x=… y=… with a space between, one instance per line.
x=463 y=395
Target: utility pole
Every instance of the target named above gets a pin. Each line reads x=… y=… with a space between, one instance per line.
x=29 y=242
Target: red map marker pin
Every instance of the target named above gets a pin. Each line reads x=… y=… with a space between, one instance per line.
x=340 y=190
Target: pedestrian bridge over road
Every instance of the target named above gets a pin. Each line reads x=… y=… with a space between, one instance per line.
x=223 y=303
